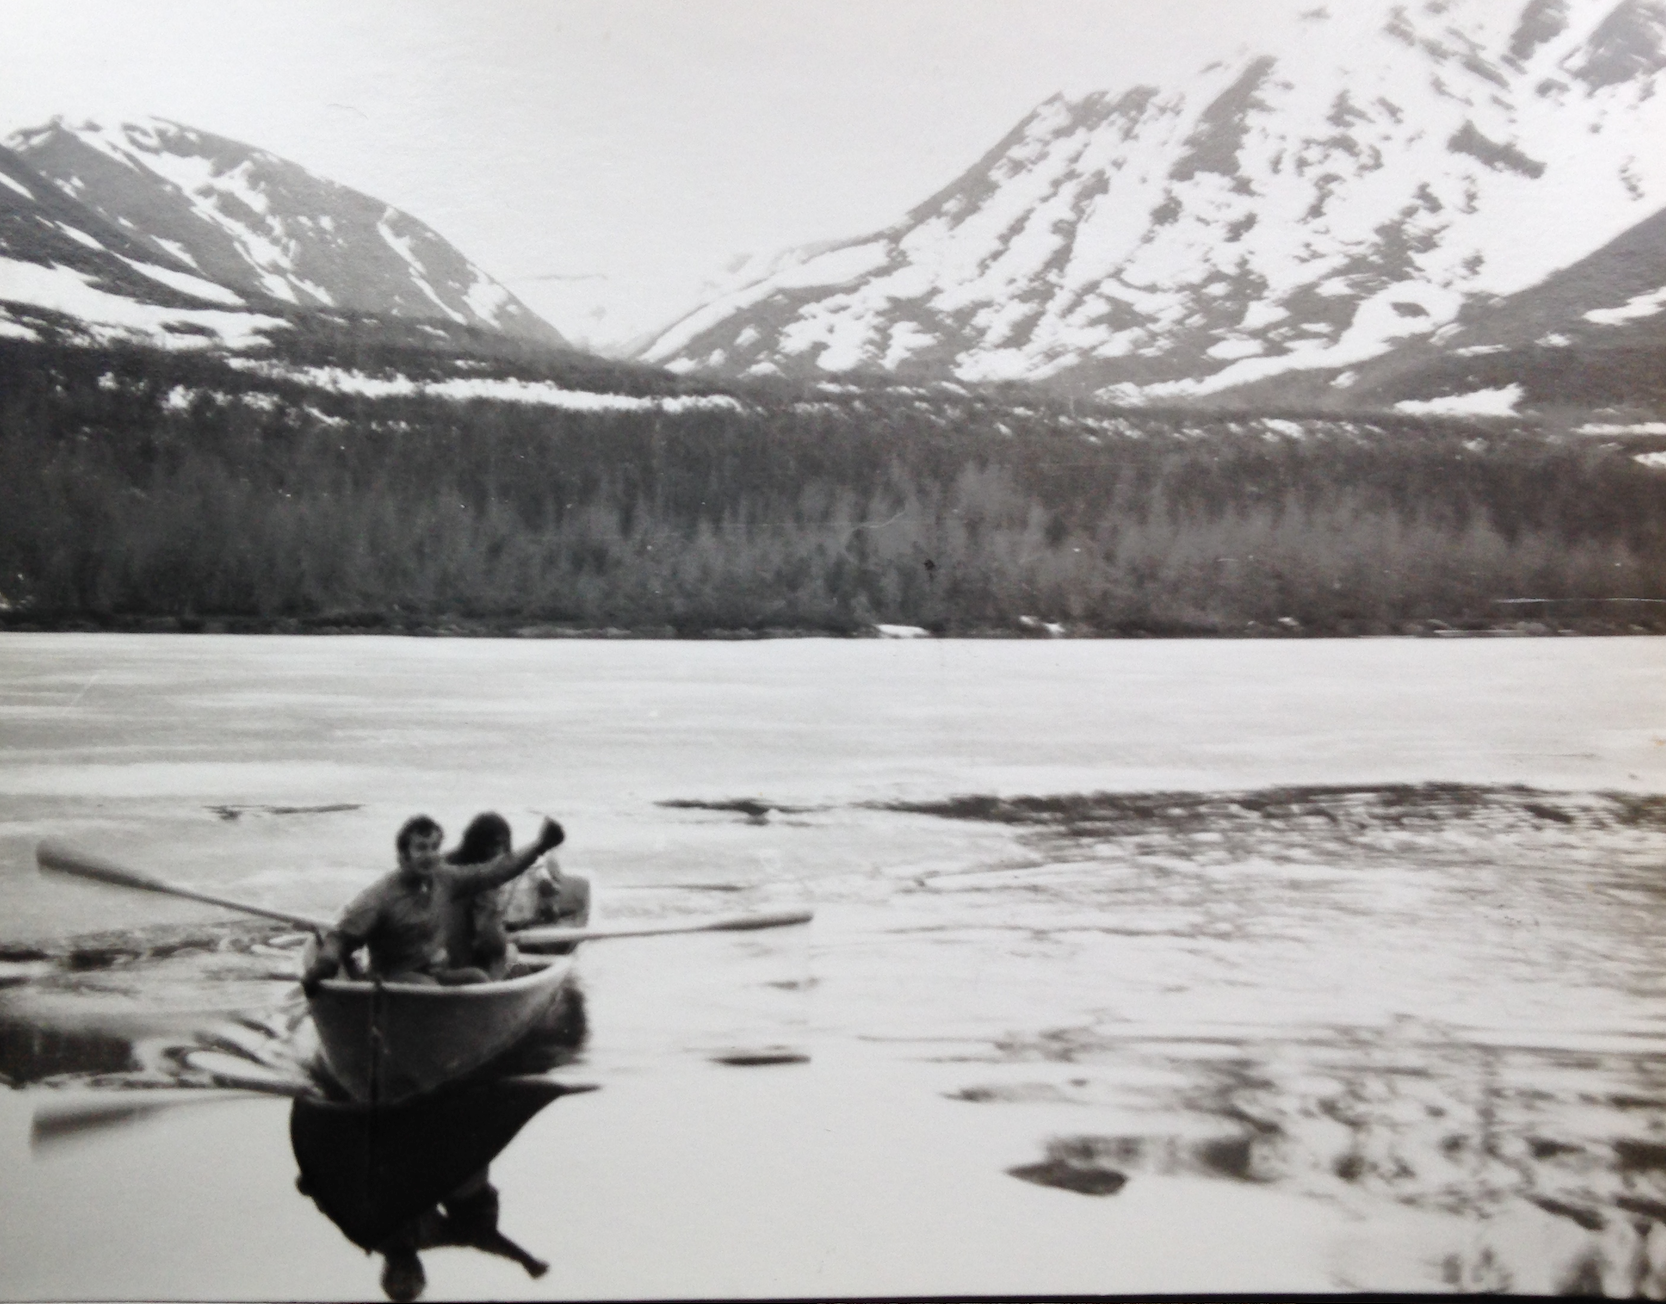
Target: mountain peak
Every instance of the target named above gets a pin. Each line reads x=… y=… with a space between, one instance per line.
x=1310 y=204
x=260 y=224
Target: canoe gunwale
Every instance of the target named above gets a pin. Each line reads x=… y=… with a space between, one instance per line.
x=476 y=991
x=428 y=1033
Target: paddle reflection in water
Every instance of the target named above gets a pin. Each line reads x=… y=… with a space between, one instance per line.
x=404 y=1178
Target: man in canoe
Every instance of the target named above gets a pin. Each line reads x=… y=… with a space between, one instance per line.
x=404 y=917
x=478 y=936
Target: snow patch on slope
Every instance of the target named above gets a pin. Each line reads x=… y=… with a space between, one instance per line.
x=111 y=316
x=401 y=245
x=1479 y=403
x=1640 y=305
x=186 y=283
x=541 y=393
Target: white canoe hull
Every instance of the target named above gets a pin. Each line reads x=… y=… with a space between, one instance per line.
x=388 y=1042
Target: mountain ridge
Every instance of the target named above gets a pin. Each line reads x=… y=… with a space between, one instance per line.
x=265 y=227
x=1268 y=217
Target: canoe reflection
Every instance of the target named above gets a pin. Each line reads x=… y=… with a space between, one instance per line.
x=410 y=1177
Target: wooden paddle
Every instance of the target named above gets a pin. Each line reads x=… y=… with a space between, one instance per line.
x=734 y=924
x=65 y=859
x=61 y=1115
x=75 y=1111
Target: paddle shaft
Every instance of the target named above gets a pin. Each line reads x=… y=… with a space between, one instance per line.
x=65 y=859
x=736 y=924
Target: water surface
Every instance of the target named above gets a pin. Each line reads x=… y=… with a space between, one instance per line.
x=1337 y=969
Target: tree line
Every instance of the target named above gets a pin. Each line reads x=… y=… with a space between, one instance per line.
x=135 y=483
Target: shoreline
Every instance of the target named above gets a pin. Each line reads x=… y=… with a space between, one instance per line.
x=1561 y=618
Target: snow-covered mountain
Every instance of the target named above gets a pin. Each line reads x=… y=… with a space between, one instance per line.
x=1587 y=338
x=66 y=271
x=1312 y=206
x=257 y=224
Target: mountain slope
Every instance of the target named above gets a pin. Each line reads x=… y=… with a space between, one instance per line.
x=1308 y=207
x=64 y=270
x=254 y=222
x=1590 y=336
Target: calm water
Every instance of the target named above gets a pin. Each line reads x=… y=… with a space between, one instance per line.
x=1299 y=1022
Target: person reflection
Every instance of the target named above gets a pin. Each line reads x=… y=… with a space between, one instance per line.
x=468 y=1217
x=401 y=1179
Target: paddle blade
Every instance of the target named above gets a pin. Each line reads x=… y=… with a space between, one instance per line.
x=779 y=919
x=71 y=1114
x=65 y=859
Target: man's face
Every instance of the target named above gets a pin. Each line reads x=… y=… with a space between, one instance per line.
x=421 y=851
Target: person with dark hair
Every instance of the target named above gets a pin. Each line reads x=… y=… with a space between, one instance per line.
x=404 y=917
x=479 y=935
x=475 y=936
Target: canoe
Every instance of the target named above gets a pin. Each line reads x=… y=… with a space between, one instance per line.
x=387 y=1042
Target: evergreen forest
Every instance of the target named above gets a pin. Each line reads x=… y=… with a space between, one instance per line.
x=145 y=489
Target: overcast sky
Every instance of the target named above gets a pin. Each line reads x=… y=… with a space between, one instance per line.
x=604 y=157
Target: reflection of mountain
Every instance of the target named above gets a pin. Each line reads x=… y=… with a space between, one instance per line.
x=409 y=1177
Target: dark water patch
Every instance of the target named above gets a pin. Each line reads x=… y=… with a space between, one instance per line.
x=760 y=1058
x=96 y=957
x=1232 y=1157
x=1101 y=1165
x=1547 y=812
x=234 y=812
x=1410 y=1113
x=18 y=973
x=1083 y=1164
x=31 y=1053
x=1358 y=804
x=1638 y=809
x=757 y=811
x=1635 y=1156
x=1012 y=1094
x=1655 y=1209
x=1297 y=827
x=1589 y=1219
x=1070 y=1177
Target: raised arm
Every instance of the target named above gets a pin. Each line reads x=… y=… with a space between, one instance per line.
x=469 y=879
